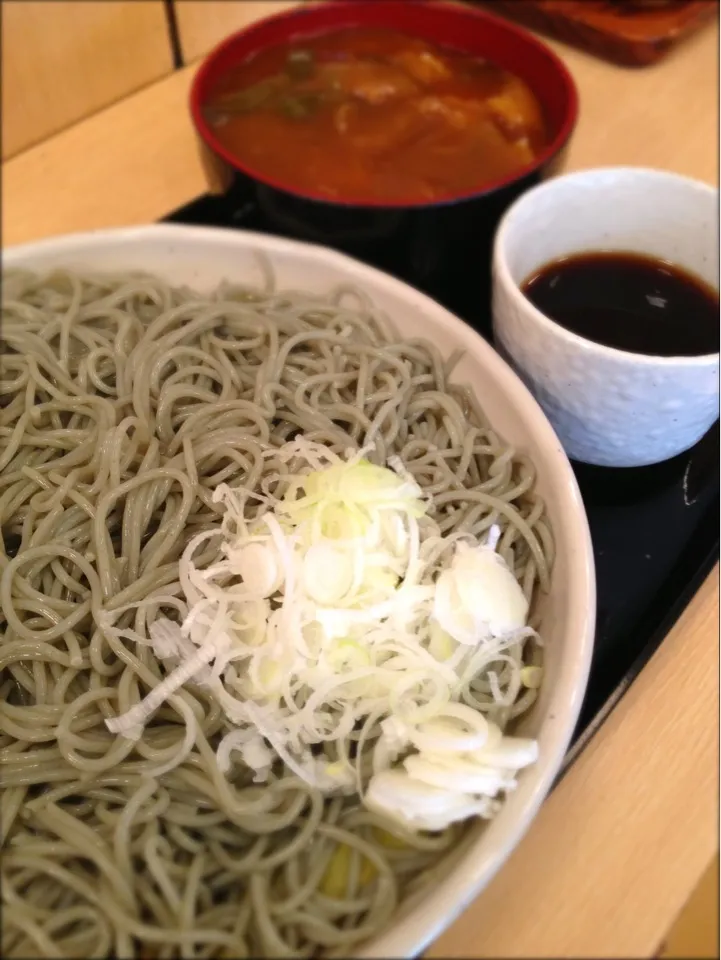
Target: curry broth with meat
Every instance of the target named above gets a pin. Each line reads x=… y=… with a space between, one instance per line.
x=374 y=115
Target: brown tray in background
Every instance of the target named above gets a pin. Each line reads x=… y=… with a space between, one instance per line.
x=618 y=30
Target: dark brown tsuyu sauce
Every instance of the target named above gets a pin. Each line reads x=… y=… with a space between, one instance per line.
x=630 y=302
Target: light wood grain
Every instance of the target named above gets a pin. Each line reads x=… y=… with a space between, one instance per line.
x=661 y=116
x=129 y=164
x=621 y=843
x=62 y=61
x=204 y=23
x=696 y=931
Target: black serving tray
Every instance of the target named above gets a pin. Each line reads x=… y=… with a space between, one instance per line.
x=655 y=533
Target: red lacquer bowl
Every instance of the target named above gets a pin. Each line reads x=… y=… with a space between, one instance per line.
x=442 y=247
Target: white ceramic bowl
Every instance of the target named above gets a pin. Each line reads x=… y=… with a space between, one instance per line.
x=202 y=258
x=609 y=407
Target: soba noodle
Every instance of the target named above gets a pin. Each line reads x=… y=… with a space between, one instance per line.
x=123 y=404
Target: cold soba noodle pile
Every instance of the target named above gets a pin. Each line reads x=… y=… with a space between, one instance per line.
x=135 y=417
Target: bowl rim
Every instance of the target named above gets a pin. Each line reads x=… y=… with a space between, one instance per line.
x=410 y=934
x=660 y=178
x=303 y=14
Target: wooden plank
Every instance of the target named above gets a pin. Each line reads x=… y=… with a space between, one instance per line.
x=696 y=931
x=131 y=163
x=204 y=23
x=63 y=61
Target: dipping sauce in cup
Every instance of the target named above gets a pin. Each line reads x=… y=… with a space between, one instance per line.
x=605 y=301
x=630 y=302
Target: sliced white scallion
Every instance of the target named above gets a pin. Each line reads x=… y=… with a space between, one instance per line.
x=340 y=604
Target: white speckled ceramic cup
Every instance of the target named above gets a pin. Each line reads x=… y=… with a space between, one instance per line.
x=609 y=407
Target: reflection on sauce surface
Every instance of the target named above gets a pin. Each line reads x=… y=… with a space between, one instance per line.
x=374 y=115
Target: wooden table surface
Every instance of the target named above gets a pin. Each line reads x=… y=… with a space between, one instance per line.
x=620 y=844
